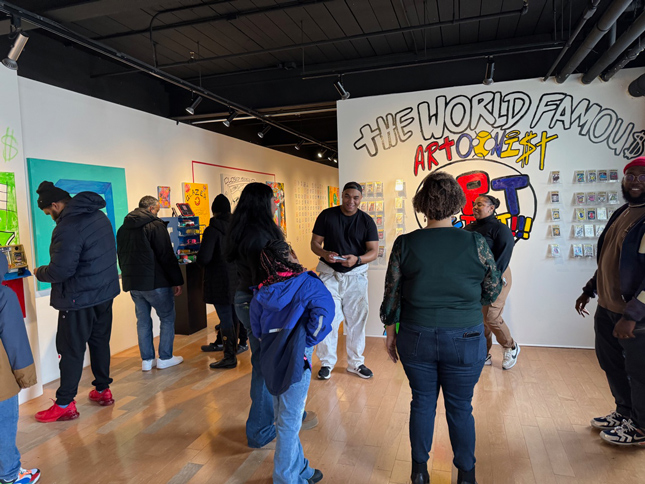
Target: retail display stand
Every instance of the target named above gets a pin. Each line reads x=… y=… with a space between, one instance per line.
x=190 y=307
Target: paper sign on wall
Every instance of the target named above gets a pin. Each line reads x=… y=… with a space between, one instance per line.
x=196 y=195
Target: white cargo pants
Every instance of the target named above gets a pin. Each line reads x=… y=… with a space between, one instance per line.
x=349 y=290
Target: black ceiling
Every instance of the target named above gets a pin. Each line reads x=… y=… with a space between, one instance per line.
x=281 y=57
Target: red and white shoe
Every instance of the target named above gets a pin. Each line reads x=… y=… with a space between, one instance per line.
x=25 y=476
x=103 y=398
x=56 y=413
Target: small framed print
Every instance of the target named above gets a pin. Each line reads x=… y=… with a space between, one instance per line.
x=369 y=189
x=364 y=187
x=599 y=230
x=591 y=214
x=555 y=197
x=555 y=250
x=555 y=214
x=399 y=231
x=592 y=176
x=601 y=197
x=581 y=198
x=591 y=197
x=555 y=177
x=579 y=176
x=610 y=212
x=555 y=231
x=587 y=249
x=379 y=220
x=577 y=250
x=398 y=203
x=381 y=234
x=581 y=214
x=613 y=175
x=612 y=197
x=379 y=206
x=399 y=185
x=363 y=206
x=578 y=231
x=589 y=231
x=603 y=176
x=601 y=213
x=378 y=188
x=399 y=218
x=371 y=207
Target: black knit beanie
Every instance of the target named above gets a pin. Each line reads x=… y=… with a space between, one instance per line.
x=221 y=204
x=48 y=193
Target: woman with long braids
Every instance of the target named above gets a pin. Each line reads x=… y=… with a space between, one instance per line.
x=250 y=230
x=291 y=312
x=501 y=243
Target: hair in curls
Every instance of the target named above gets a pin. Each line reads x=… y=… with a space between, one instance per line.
x=439 y=197
x=253 y=212
x=275 y=261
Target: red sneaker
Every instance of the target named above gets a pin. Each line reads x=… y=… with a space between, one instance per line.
x=56 y=413
x=103 y=398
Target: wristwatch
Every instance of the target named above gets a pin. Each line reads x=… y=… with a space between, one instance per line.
x=359 y=262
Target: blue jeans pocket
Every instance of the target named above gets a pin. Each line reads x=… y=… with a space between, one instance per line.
x=407 y=341
x=470 y=349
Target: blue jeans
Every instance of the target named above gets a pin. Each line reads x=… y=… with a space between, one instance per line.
x=449 y=359
x=289 y=463
x=163 y=301
x=259 y=426
x=9 y=455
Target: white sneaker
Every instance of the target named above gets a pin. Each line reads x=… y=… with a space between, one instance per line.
x=175 y=360
x=147 y=365
x=489 y=360
x=510 y=357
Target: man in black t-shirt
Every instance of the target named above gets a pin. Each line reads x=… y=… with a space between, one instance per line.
x=345 y=239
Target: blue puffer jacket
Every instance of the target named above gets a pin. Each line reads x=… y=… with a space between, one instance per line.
x=287 y=317
x=82 y=268
x=631 y=268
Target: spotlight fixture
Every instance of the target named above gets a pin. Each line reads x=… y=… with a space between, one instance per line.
x=11 y=61
x=299 y=145
x=191 y=109
x=263 y=133
x=341 y=89
x=322 y=153
x=227 y=122
x=490 y=70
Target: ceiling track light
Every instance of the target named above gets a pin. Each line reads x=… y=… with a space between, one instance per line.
x=11 y=61
x=191 y=109
x=341 y=90
x=299 y=145
x=263 y=133
x=227 y=122
x=322 y=153
x=490 y=71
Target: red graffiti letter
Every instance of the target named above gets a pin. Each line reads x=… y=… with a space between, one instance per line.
x=419 y=160
x=447 y=147
x=474 y=184
x=431 y=149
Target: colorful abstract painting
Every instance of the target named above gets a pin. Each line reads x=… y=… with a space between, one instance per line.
x=196 y=195
x=8 y=210
x=279 y=209
x=107 y=181
x=334 y=196
x=163 y=194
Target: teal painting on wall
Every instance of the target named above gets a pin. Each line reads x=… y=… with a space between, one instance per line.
x=109 y=182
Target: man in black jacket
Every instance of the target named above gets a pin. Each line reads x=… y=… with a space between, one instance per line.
x=82 y=272
x=151 y=273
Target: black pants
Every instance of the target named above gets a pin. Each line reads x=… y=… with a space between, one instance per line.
x=91 y=326
x=623 y=361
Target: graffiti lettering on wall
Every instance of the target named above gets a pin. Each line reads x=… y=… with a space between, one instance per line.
x=486 y=125
x=488 y=177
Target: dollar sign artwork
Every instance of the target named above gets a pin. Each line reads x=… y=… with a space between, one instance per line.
x=10 y=149
x=635 y=149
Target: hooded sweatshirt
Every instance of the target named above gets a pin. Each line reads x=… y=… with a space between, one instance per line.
x=17 y=368
x=82 y=268
x=146 y=256
x=287 y=317
x=220 y=276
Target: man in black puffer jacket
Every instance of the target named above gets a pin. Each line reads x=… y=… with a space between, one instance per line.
x=151 y=273
x=84 y=279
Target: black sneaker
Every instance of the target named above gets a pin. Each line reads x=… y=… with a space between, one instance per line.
x=242 y=348
x=611 y=421
x=625 y=434
x=324 y=374
x=213 y=347
x=362 y=371
x=317 y=477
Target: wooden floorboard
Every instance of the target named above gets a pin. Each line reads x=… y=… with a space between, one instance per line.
x=185 y=425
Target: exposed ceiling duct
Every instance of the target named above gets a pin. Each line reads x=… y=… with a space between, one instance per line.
x=627 y=57
x=609 y=18
x=634 y=31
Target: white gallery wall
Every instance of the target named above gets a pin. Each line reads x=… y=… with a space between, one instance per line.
x=64 y=126
x=506 y=140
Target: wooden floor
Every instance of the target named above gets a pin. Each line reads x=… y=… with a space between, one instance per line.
x=186 y=425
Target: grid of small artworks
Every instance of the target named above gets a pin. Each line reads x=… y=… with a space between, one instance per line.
x=311 y=199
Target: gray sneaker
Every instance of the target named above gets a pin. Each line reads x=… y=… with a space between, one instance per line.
x=611 y=421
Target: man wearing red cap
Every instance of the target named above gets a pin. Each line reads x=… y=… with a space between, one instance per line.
x=619 y=321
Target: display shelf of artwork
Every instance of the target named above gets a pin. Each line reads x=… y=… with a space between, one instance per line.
x=595 y=176
x=580 y=251
x=184 y=236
